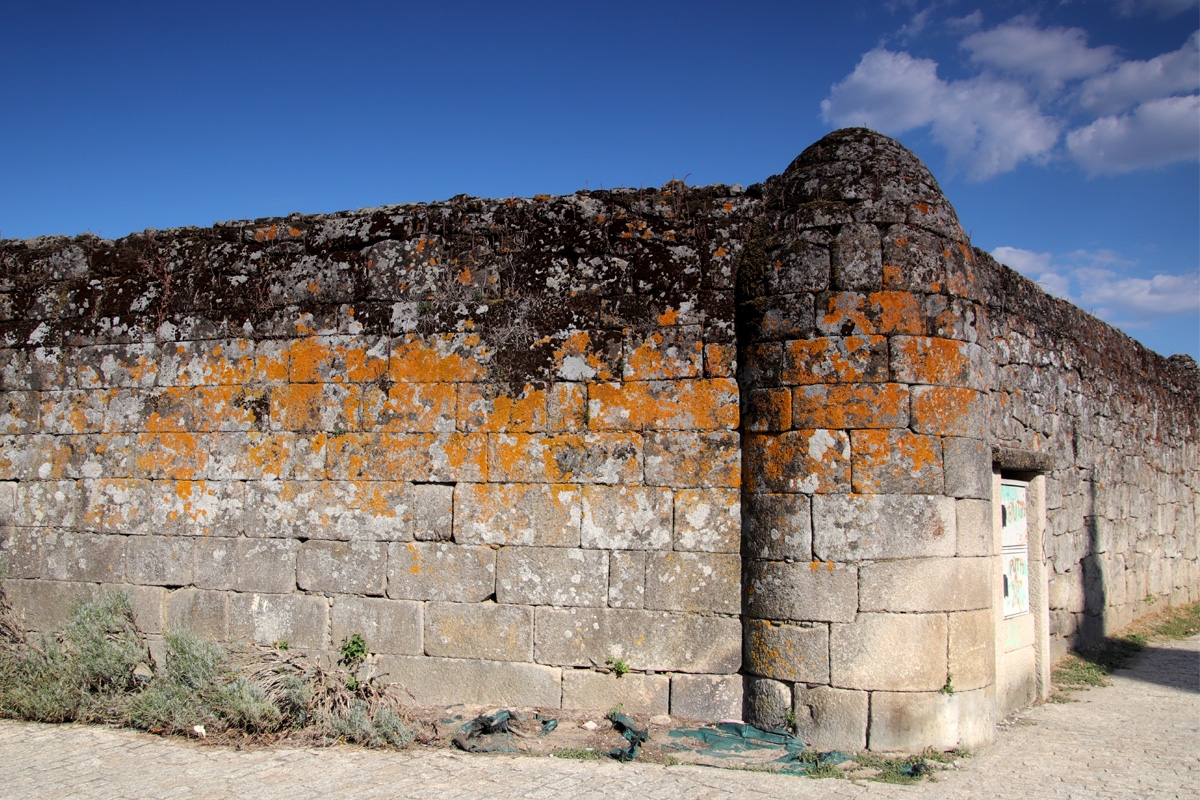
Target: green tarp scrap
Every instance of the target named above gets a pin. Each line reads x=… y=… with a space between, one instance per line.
x=737 y=739
x=634 y=735
x=492 y=733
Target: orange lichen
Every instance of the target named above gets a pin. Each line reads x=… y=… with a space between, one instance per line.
x=481 y=408
x=307 y=357
x=897 y=312
x=174 y=456
x=948 y=411
x=770 y=649
x=704 y=404
x=720 y=360
x=578 y=345
x=922 y=359
x=668 y=317
x=769 y=410
x=564 y=457
x=334 y=360
x=809 y=461
x=850 y=359
x=881 y=458
x=217 y=408
x=407 y=456
x=650 y=360
x=860 y=405
x=267 y=456
x=316 y=407
x=171 y=410
x=442 y=359
x=416 y=407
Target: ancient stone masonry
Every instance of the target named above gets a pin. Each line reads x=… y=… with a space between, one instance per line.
x=746 y=442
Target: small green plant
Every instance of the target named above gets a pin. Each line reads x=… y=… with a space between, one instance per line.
x=902 y=770
x=949 y=687
x=619 y=666
x=281 y=645
x=825 y=769
x=578 y=753
x=1074 y=671
x=947 y=757
x=1181 y=623
x=354 y=651
x=1092 y=667
x=790 y=720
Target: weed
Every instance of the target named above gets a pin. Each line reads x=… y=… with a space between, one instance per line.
x=902 y=769
x=281 y=645
x=1091 y=667
x=790 y=720
x=949 y=687
x=619 y=666
x=824 y=769
x=578 y=753
x=1182 y=623
x=1076 y=671
x=947 y=757
x=354 y=651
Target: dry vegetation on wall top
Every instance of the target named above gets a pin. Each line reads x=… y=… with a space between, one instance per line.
x=513 y=277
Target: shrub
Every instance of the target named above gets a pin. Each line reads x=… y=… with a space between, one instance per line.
x=88 y=671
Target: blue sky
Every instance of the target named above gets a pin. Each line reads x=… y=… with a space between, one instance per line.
x=1066 y=133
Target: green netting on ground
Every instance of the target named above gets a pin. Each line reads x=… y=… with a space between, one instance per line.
x=735 y=739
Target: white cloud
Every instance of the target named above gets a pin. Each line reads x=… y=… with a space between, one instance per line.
x=917 y=24
x=1026 y=262
x=1089 y=283
x=988 y=126
x=1031 y=84
x=1154 y=134
x=890 y=92
x=1159 y=295
x=1038 y=268
x=1050 y=56
x=1134 y=82
x=1163 y=8
x=971 y=22
x=991 y=126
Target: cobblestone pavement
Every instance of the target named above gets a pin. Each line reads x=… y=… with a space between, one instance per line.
x=1138 y=739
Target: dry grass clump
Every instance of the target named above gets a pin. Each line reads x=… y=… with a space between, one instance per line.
x=96 y=669
x=1092 y=667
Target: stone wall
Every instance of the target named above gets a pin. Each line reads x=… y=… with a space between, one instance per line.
x=1114 y=427
x=868 y=521
x=498 y=438
x=744 y=441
